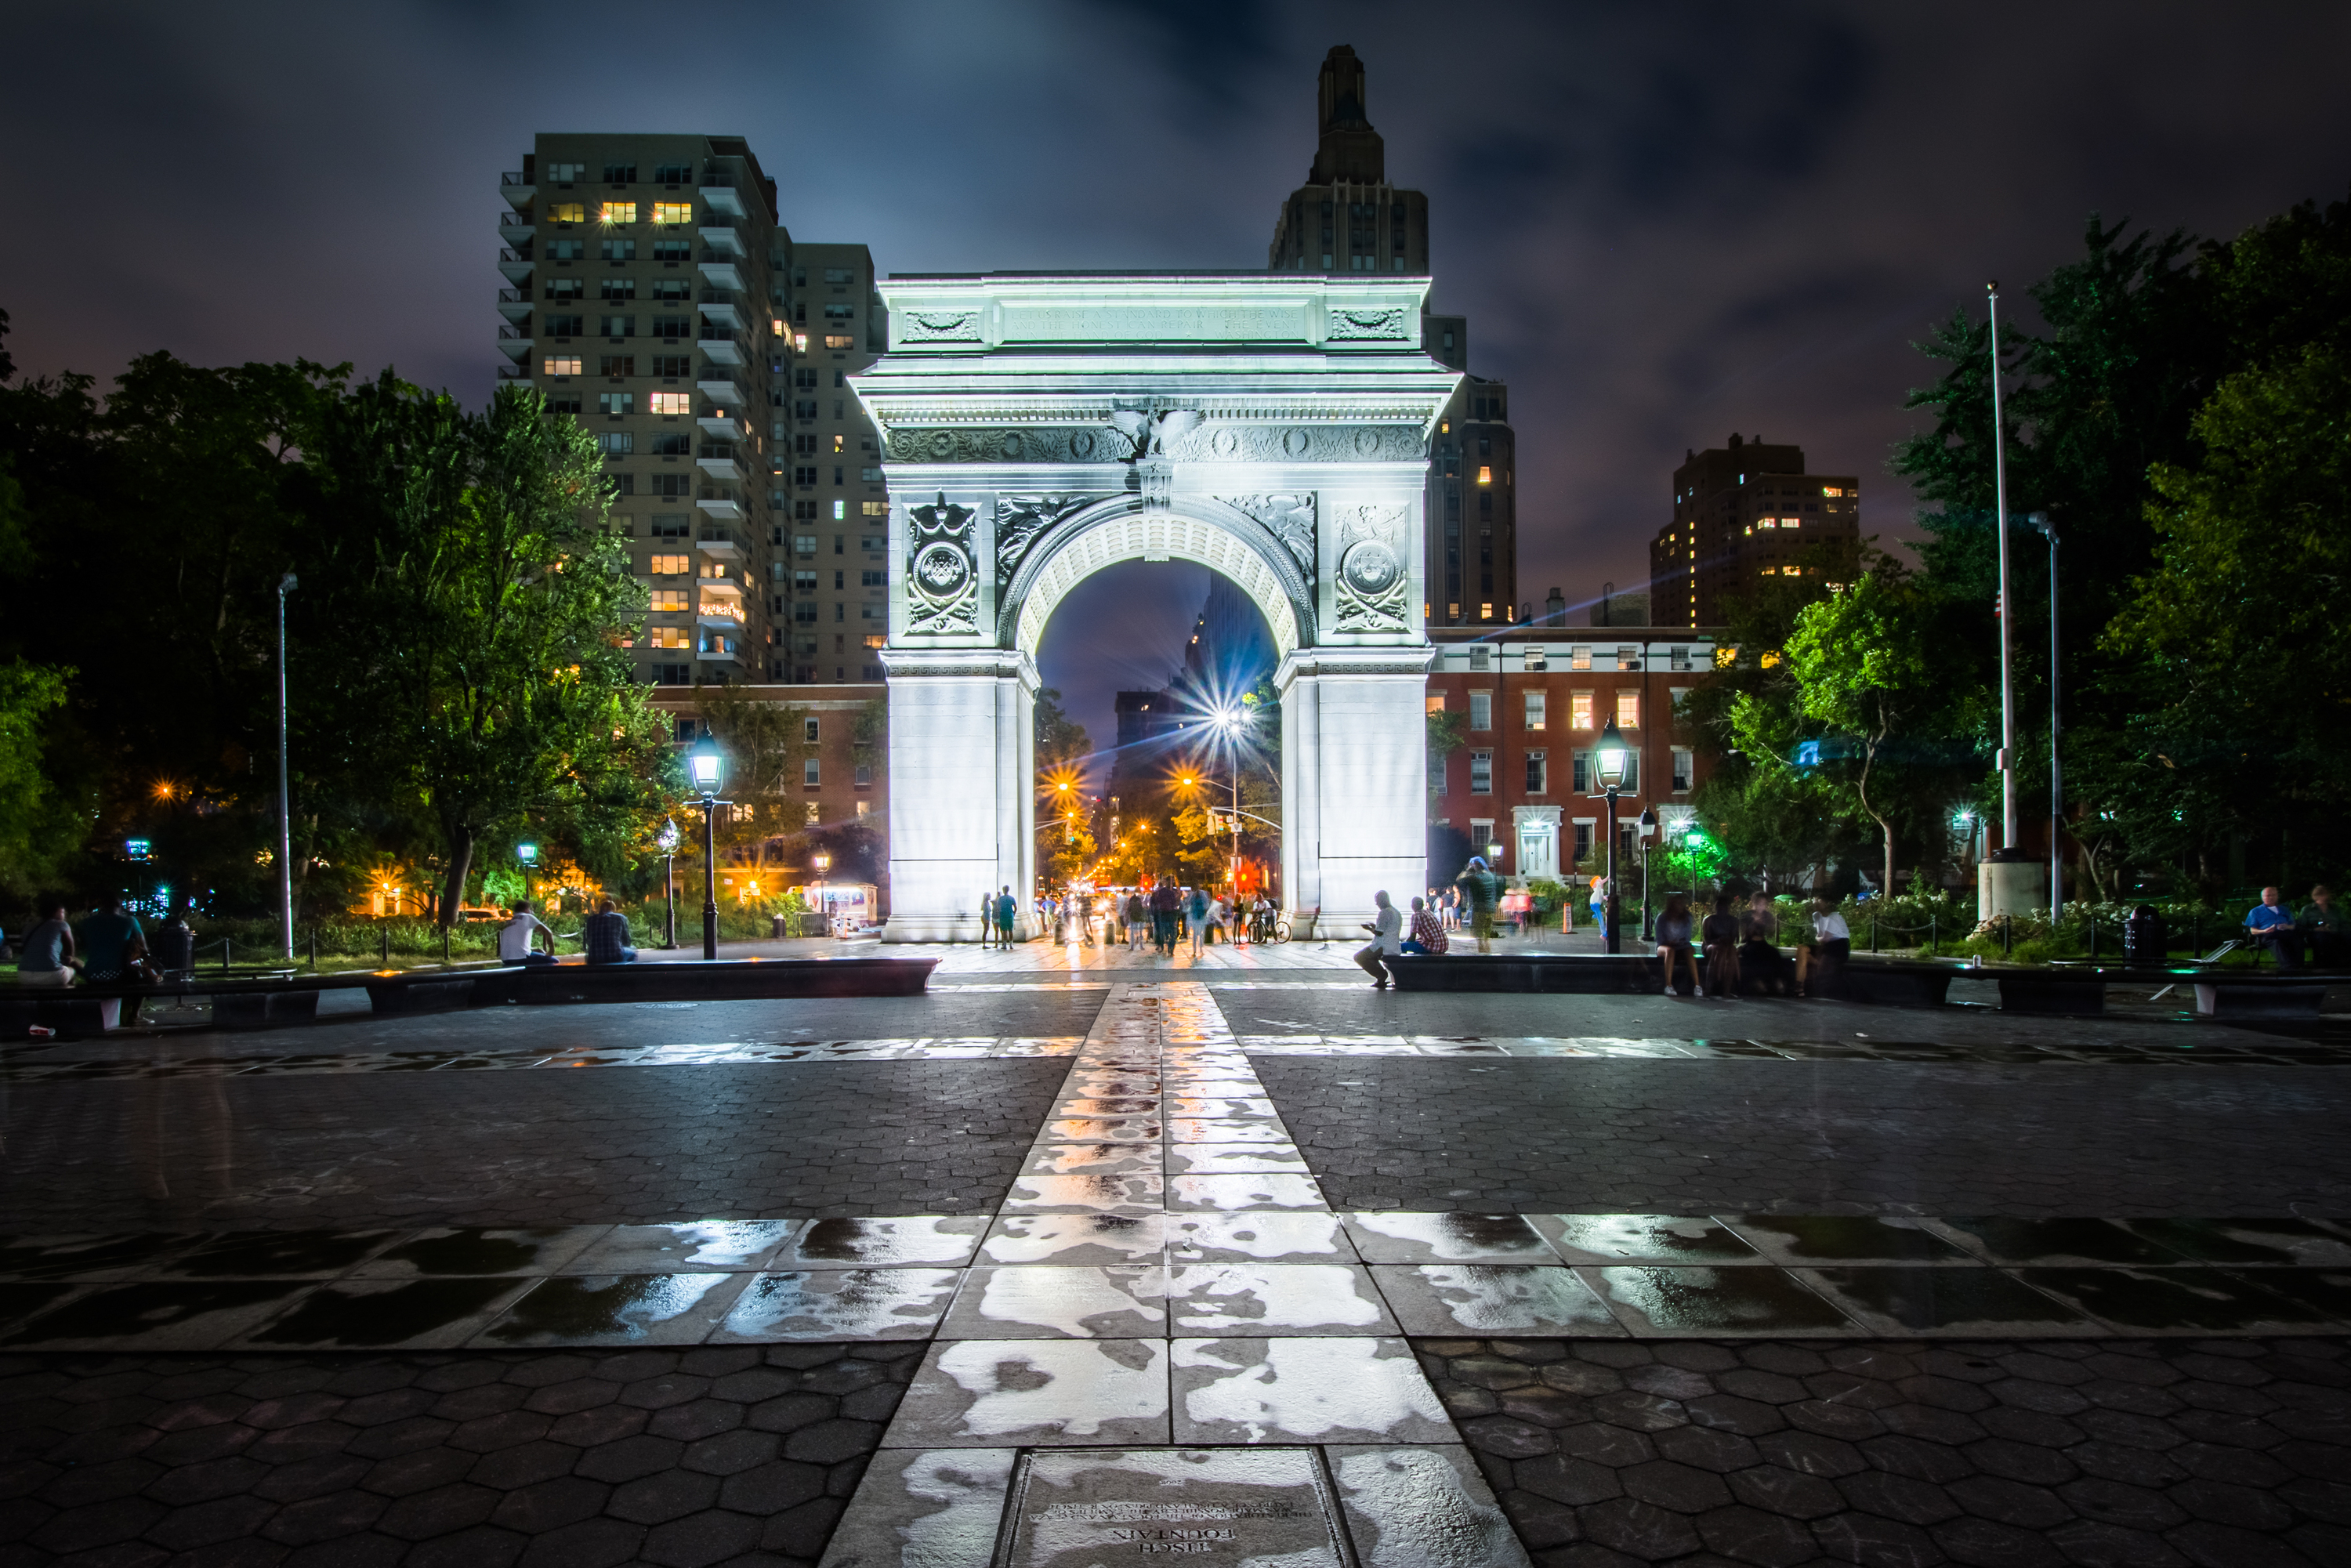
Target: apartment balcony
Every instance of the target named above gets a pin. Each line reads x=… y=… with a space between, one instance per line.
x=516 y=267
x=514 y=305
x=720 y=270
x=721 y=505
x=720 y=544
x=515 y=343
x=718 y=423
x=516 y=188
x=719 y=390
x=722 y=614
x=727 y=241
x=724 y=348
x=718 y=459
x=724 y=312
x=716 y=651
x=514 y=371
x=516 y=228
x=721 y=197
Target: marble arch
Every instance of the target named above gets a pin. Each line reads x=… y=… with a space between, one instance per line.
x=1037 y=428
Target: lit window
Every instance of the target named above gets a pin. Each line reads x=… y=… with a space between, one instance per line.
x=664 y=213
x=1536 y=705
x=1485 y=474
x=1437 y=703
x=876 y=640
x=670 y=566
x=874 y=509
x=840 y=510
x=563 y=366
x=838 y=440
x=813 y=816
x=666 y=637
x=1485 y=613
x=1580 y=657
x=669 y=600
x=672 y=403
x=838 y=341
x=567 y=212
x=1725 y=657
x=1628 y=710
x=1579 y=710
x=616 y=213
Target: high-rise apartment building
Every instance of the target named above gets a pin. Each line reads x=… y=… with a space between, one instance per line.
x=1348 y=218
x=830 y=575
x=654 y=293
x=638 y=300
x=1745 y=511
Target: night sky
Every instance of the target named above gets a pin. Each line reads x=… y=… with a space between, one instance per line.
x=1664 y=222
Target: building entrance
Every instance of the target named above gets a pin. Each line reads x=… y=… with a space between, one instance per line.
x=1039 y=428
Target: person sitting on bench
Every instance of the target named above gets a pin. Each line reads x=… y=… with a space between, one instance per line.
x=608 y=936
x=1821 y=961
x=513 y=937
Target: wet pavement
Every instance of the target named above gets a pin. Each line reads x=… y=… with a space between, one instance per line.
x=1241 y=1262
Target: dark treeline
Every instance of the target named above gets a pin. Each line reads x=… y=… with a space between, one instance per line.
x=2183 y=417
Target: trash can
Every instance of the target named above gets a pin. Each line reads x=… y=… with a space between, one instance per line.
x=781 y=927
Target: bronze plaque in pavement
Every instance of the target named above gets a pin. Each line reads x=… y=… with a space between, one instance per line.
x=1096 y=1507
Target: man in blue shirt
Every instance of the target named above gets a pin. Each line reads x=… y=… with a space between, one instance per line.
x=2271 y=923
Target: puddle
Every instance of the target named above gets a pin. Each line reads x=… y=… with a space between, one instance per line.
x=1447 y=1237
x=354 y=1314
x=839 y=1304
x=627 y=1309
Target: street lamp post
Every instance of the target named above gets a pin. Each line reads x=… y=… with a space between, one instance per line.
x=286 y=585
x=2057 y=779
x=1228 y=721
x=1648 y=831
x=2000 y=522
x=708 y=766
x=667 y=839
x=527 y=854
x=1609 y=755
x=823 y=863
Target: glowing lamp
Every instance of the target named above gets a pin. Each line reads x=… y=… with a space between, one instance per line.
x=1610 y=756
x=708 y=766
x=527 y=853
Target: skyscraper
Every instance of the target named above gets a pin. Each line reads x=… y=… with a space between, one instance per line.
x=654 y=293
x=1744 y=511
x=1348 y=218
x=638 y=300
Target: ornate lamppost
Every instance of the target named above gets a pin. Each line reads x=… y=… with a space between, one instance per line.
x=1609 y=756
x=707 y=766
x=823 y=863
x=667 y=839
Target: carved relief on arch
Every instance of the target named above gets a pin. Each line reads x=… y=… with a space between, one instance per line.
x=941 y=571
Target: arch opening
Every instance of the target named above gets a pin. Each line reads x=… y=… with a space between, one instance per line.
x=1118 y=532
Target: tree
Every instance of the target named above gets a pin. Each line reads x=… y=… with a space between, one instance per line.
x=2235 y=641
x=767 y=747
x=1864 y=668
x=1062 y=742
x=38 y=826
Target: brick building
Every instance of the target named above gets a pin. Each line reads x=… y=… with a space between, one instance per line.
x=1535 y=698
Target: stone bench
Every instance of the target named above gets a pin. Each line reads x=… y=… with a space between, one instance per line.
x=1590 y=973
x=722 y=980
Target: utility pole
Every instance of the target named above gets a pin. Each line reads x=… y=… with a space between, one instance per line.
x=286 y=585
x=2007 y=663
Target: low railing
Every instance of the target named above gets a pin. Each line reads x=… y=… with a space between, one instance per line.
x=513 y=297
x=511 y=332
x=510 y=254
x=515 y=177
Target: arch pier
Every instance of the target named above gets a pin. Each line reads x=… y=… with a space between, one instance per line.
x=1039 y=427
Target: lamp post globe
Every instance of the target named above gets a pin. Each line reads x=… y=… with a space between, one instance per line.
x=706 y=766
x=1609 y=755
x=823 y=863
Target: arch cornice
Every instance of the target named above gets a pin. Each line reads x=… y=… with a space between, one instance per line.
x=1126 y=527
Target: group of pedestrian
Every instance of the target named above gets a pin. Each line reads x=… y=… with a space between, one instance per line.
x=1477 y=890
x=2320 y=931
x=1741 y=949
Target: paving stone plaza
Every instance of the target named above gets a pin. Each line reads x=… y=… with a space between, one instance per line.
x=1083 y=1257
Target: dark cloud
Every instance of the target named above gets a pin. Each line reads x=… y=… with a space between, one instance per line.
x=1666 y=222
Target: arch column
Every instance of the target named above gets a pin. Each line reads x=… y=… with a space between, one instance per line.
x=963 y=814
x=1355 y=746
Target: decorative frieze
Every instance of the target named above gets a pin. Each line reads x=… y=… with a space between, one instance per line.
x=1290 y=518
x=941 y=570
x=1207 y=441
x=1371 y=570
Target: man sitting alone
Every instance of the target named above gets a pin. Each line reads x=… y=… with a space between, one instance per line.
x=608 y=936
x=515 y=937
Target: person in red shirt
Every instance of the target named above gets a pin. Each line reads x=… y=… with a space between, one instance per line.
x=1428 y=931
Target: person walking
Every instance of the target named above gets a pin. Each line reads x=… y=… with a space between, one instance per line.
x=1481 y=890
x=1007 y=910
x=1386 y=926
x=1164 y=904
x=1196 y=910
x=1138 y=919
x=1674 y=942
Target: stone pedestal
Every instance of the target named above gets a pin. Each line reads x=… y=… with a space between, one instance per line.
x=963 y=814
x=2018 y=887
x=1354 y=746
